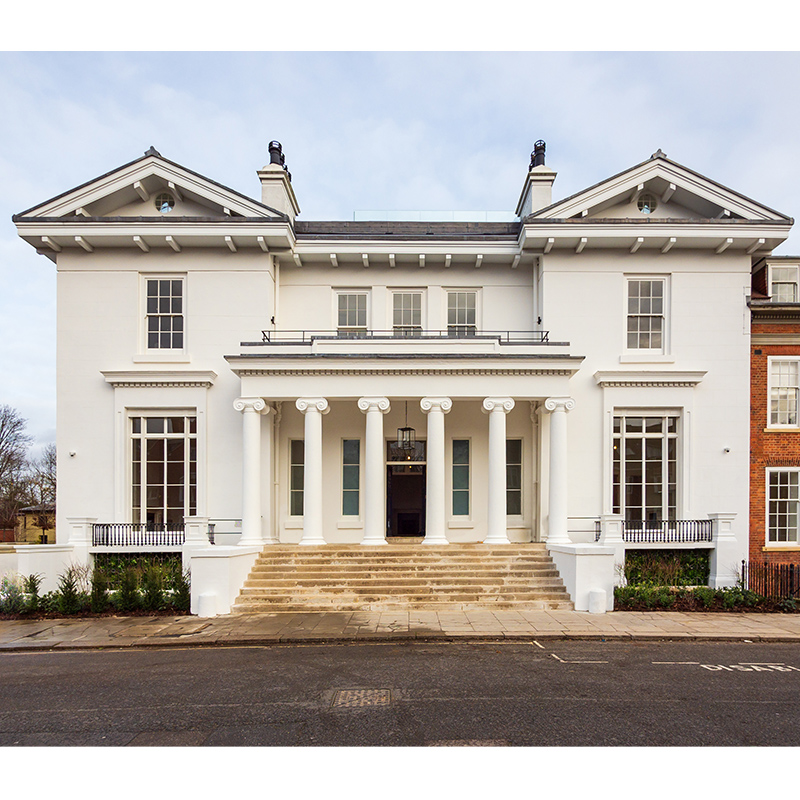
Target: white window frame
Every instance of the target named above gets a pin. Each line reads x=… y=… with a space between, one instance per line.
x=772 y=282
x=358 y=489
x=665 y=315
x=521 y=489
x=146 y=313
x=680 y=457
x=289 y=484
x=402 y=330
x=771 y=360
x=767 y=508
x=468 y=490
x=451 y=290
x=356 y=331
x=143 y=436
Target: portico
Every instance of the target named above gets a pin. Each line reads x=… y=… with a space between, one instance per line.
x=447 y=420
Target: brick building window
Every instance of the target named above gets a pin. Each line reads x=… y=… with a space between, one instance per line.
x=784 y=284
x=784 y=392
x=783 y=506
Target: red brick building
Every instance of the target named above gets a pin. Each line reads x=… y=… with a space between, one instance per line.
x=775 y=411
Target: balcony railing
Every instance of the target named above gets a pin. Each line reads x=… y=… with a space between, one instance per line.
x=139 y=534
x=406 y=332
x=668 y=530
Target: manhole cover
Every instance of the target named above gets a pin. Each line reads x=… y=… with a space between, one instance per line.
x=361 y=698
x=469 y=743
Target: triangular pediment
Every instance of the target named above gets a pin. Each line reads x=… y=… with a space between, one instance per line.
x=137 y=191
x=659 y=189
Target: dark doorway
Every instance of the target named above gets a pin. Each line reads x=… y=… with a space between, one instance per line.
x=405 y=499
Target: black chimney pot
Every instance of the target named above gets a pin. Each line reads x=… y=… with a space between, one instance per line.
x=537 y=156
x=275 y=153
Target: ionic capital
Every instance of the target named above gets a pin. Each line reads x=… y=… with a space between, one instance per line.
x=306 y=404
x=559 y=404
x=443 y=404
x=504 y=404
x=367 y=404
x=256 y=404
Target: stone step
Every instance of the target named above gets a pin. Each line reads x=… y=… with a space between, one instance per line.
x=442 y=581
x=306 y=608
x=321 y=570
x=402 y=577
x=349 y=595
x=417 y=562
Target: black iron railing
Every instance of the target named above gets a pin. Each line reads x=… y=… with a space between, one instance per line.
x=598 y=530
x=122 y=534
x=777 y=581
x=668 y=530
x=406 y=332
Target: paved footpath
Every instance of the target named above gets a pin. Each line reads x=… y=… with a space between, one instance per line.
x=264 y=629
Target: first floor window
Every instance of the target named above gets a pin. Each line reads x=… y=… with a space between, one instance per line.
x=296 y=475
x=645 y=465
x=165 y=314
x=783 y=507
x=513 y=477
x=462 y=313
x=164 y=470
x=351 y=462
x=352 y=318
x=646 y=314
x=784 y=391
x=784 y=284
x=460 y=477
x=407 y=313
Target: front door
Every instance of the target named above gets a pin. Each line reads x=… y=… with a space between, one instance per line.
x=405 y=490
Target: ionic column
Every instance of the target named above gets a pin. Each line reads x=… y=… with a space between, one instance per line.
x=497 y=408
x=251 y=408
x=557 y=527
x=313 y=408
x=374 y=471
x=435 y=408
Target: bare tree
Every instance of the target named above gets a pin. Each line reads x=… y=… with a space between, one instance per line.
x=42 y=487
x=14 y=482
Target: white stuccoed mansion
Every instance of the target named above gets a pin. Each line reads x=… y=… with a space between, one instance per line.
x=577 y=377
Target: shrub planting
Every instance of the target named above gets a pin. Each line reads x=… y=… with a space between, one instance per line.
x=647 y=597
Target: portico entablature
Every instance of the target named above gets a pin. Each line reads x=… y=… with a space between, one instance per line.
x=287 y=379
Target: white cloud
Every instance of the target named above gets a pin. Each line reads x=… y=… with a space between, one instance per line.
x=430 y=130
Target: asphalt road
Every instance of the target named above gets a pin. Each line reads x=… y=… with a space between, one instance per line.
x=519 y=694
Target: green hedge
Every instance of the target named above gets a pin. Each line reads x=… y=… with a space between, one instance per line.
x=667 y=567
x=649 y=597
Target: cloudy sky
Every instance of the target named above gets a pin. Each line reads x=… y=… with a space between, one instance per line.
x=369 y=130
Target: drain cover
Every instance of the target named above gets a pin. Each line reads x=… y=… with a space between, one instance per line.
x=361 y=698
x=468 y=743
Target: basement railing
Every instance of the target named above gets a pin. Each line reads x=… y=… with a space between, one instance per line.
x=406 y=332
x=668 y=530
x=139 y=534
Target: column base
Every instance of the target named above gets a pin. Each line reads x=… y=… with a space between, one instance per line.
x=434 y=540
x=312 y=542
x=373 y=542
x=497 y=540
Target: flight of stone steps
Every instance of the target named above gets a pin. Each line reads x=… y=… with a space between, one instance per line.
x=399 y=577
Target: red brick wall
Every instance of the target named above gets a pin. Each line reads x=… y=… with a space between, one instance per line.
x=760 y=281
x=767 y=449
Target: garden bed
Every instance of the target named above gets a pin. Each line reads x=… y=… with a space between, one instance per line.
x=699 y=598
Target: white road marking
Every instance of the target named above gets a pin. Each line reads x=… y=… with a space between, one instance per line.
x=538 y=645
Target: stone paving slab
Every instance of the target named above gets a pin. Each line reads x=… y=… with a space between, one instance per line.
x=276 y=627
